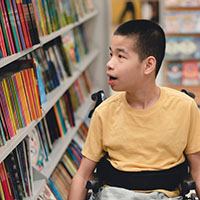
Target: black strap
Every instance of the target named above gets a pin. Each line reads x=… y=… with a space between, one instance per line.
x=168 y=179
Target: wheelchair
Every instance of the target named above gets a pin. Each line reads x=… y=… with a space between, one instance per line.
x=93 y=186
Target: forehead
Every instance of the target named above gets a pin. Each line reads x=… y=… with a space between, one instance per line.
x=122 y=42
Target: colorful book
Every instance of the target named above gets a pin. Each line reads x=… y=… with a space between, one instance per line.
x=13 y=26
x=2 y=44
x=5 y=183
x=8 y=28
x=24 y=23
x=33 y=21
x=19 y=26
x=5 y=33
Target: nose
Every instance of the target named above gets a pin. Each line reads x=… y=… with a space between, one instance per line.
x=110 y=64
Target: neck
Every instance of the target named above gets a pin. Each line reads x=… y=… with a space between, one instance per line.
x=143 y=98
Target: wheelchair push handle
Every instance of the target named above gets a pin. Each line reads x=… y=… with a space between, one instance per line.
x=99 y=97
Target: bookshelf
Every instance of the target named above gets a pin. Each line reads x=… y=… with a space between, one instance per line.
x=97 y=30
x=182 y=60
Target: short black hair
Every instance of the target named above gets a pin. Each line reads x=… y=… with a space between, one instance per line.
x=149 y=39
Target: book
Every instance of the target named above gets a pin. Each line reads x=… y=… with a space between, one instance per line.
x=46 y=194
x=54 y=189
x=4 y=128
x=174 y=73
x=2 y=196
x=60 y=121
x=12 y=178
x=33 y=21
x=43 y=134
x=2 y=44
x=5 y=183
x=24 y=24
x=5 y=33
x=19 y=26
x=44 y=123
x=13 y=26
x=190 y=71
x=7 y=26
x=22 y=159
x=8 y=105
x=52 y=125
x=22 y=98
x=37 y=154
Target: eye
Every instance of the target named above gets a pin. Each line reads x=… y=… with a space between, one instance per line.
x=110 y=54
x=120 y=56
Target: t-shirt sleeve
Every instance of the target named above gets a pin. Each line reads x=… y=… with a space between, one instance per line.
x=93 y=147
x=193 y=144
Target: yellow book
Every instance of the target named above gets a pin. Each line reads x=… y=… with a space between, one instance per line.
x=23 y=98
x=7 y=95
x=35 y=92
x=1 y=192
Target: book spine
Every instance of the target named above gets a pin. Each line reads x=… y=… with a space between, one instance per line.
x=20 y=101
x=33 y=21
x=13 y=26
x=24 y=23
x=6 y=111
x=8 y=30
x=4 y=182
x=2 y=43
x=5 y=34
x=19 y=25
x=12 y=102
x=26 y=85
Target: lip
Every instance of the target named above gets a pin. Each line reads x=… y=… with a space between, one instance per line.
x=111 y=82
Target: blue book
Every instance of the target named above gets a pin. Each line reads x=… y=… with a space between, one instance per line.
x=54 y=189
x=42 y=92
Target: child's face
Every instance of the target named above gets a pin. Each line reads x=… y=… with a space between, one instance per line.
x=124 y=69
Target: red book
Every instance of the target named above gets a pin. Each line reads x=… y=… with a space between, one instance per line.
x=2 y=43
x=24 y=23
x=5 y=183
x=8 y=29
x=80 y=93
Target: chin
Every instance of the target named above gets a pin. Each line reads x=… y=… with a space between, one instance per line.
x=116 y=89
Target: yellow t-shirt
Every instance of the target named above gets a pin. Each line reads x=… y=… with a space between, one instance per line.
x=148 y=139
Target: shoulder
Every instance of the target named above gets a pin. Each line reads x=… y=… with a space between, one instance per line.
x=176 y=95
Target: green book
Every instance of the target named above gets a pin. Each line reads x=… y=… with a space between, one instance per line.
x=4 y=33
x=13 y=26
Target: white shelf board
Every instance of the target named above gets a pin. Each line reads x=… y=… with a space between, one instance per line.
x=9 y=59
x=60 y=145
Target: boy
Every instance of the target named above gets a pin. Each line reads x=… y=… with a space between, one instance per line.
x=144 y=128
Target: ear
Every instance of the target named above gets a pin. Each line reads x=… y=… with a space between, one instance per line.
x=150 y=65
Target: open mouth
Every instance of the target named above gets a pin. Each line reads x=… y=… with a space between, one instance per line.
x=112 y=78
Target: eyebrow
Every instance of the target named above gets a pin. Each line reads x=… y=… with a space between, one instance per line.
x=120 y=50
